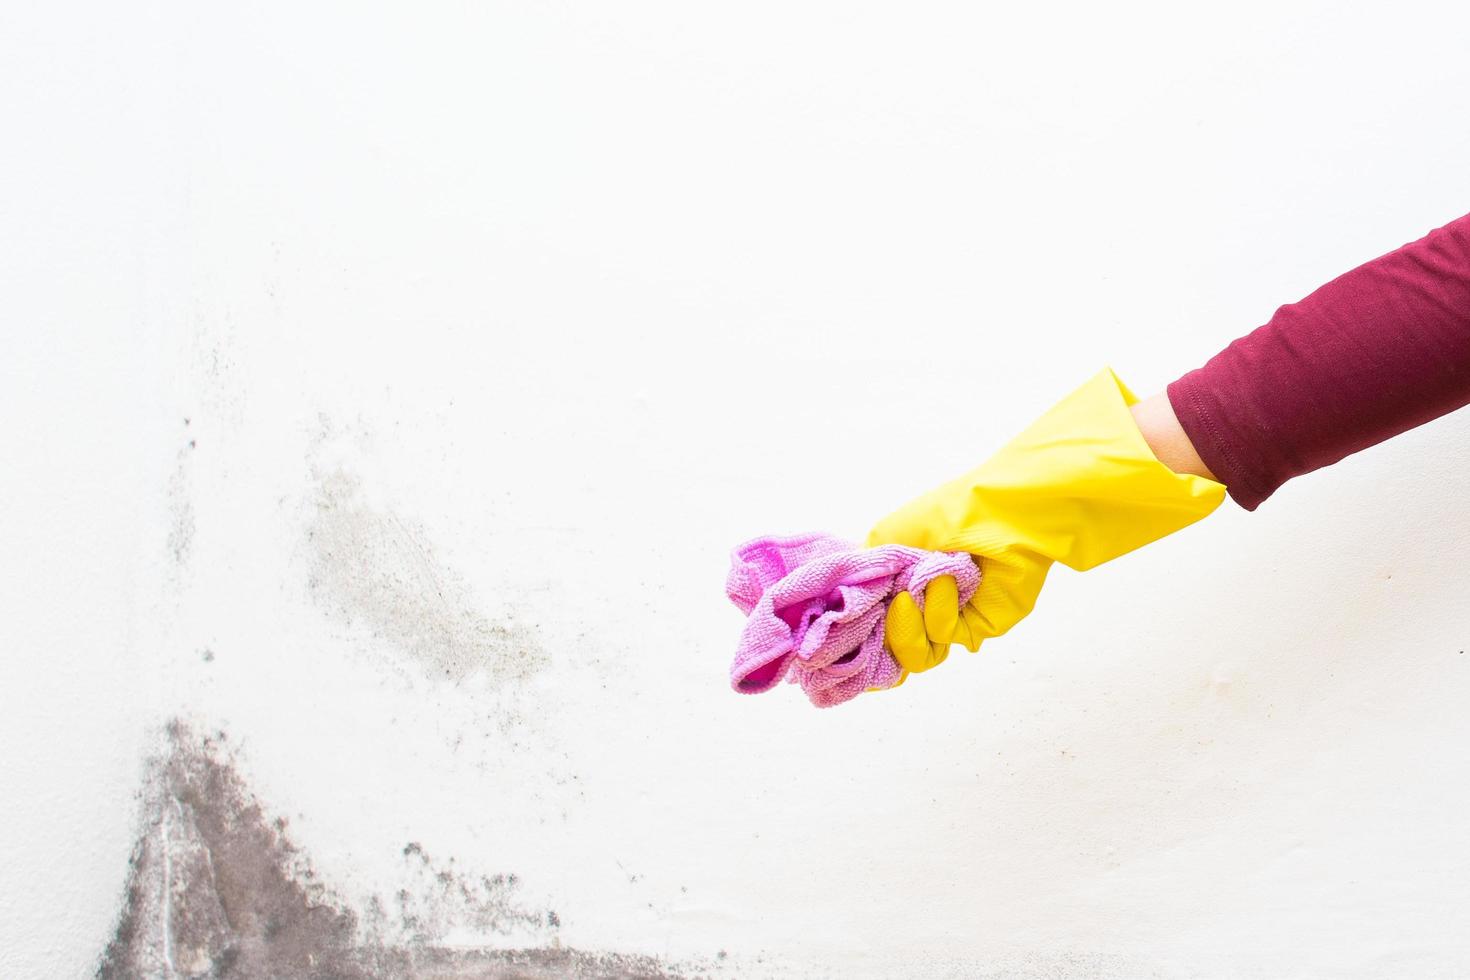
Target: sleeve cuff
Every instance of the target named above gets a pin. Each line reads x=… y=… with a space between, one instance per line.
x=1208 y=432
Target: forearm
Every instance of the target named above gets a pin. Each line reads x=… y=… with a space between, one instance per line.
x=1166 y=437
x=1371 y=354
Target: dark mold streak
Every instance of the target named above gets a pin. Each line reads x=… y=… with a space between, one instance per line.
x=217 y=890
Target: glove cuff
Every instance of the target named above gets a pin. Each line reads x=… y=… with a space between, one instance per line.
x=1079 y=486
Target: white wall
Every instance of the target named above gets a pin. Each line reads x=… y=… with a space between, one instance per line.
x=497 y=325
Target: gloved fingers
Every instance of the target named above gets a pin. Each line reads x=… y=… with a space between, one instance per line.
x=920 y=641
x=1009 y=585
x=941 y=610
x=906 y=636
x=903 y=631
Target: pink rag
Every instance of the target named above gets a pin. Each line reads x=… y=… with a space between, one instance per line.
x=816 y=606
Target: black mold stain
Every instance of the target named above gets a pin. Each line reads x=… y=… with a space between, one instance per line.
x=217 y=890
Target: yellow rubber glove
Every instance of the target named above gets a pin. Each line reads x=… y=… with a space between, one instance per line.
x=1080 y=486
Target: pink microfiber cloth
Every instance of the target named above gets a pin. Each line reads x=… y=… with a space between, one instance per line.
x=816 y=606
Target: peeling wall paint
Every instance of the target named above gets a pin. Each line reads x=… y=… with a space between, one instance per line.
x=384 y=388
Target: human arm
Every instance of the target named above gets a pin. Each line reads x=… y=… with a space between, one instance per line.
x=1371 y=354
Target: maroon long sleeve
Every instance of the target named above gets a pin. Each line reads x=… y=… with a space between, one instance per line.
x=1369 y=355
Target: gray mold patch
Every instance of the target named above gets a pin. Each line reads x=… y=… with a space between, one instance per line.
x=180 y=505
x=217 y=890
x=373 y=570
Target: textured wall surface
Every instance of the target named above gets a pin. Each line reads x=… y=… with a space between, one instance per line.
x=383 y=390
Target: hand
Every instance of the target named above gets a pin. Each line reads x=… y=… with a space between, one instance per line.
x=920 y=637
x=1081 y=486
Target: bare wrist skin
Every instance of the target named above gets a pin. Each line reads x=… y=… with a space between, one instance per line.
x=1161 y=430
